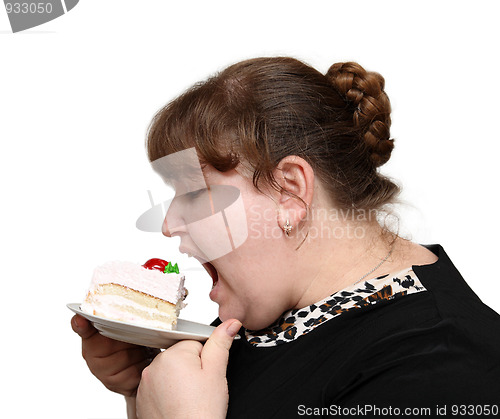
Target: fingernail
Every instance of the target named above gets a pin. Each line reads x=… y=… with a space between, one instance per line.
x=233 y=328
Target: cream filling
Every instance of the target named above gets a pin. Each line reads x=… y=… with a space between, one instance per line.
x=123 y=309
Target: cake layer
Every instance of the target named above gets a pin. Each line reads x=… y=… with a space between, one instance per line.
x=116 y=302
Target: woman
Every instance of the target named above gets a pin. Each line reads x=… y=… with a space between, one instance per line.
x=337 y=311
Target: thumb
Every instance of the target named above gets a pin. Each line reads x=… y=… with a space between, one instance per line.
x=82 y=326
x=215 y=352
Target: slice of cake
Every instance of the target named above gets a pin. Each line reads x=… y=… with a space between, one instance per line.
x=150 y=295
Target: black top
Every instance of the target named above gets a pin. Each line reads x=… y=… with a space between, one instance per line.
x=433 y=349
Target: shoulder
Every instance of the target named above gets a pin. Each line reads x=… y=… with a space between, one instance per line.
x=434 y=347
x=410 y=254
x=405 y=254
x=420 y=361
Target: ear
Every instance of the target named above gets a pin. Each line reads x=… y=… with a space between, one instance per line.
x=296 y=177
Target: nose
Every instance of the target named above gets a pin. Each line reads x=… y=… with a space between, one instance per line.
x=173 y=222
x=164 y=228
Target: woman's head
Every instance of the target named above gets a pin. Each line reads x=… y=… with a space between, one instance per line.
x=259 y=111
x=288 y=129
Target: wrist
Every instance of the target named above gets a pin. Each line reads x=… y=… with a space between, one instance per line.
x=131 y=410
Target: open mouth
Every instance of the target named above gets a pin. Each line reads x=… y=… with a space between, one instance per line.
x=212 y=272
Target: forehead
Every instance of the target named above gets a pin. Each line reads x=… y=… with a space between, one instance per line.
x=182 y=171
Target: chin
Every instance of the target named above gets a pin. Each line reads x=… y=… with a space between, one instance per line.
x=226 y=314
x=247 y=321
x=229 y=314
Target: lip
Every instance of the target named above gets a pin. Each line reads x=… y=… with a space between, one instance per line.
x=187 y=251
x=192 y=253
x=213 y=295
x=212 y=271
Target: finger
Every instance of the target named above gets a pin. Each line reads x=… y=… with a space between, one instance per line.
x=118 y=361
x=185 y=347
x=215 y=353
x=184 y=354
x=82 y=327
x=99 y=346
x=126 y=382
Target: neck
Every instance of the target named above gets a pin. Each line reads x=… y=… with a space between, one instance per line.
x=340 y=262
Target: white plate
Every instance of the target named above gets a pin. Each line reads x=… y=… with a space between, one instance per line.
x=154 y=338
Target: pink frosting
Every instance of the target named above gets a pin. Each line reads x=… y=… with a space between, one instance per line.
x=169 y=287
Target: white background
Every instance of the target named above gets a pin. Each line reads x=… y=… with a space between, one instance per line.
x=78 y=93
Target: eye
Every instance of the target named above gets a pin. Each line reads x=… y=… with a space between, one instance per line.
x=196 y=194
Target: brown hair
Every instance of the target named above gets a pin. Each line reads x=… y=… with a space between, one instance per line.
x=259 y=111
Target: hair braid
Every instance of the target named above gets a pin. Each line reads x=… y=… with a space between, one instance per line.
x=364 y=90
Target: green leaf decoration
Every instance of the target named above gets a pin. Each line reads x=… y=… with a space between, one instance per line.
x=171 y=269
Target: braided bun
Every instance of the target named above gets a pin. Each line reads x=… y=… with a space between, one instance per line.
x=365 y=91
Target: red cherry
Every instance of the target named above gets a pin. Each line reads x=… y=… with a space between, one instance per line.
x=156 y=263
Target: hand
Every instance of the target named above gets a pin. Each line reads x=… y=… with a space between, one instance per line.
x=118 y=365
x=188 y=380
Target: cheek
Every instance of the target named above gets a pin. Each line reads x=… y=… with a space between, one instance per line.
x=257 y=303
x=238 y=296
x=262 y=223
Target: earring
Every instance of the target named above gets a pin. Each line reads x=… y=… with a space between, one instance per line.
x=287 y=228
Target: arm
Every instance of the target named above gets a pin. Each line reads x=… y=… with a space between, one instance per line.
x=118 y=365
x=131 y=407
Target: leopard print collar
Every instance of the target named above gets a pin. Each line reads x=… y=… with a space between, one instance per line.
x=298 y=322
